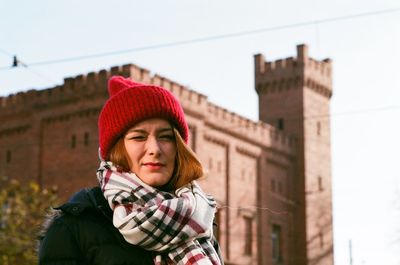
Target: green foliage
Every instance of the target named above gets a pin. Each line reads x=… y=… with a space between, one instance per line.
x=23 y=208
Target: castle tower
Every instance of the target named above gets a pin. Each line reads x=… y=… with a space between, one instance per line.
x=294 y=96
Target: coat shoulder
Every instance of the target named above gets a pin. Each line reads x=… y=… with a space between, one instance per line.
x=81 y=230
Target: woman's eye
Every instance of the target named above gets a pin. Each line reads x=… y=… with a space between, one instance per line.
x=137 y=137
x=168 y=137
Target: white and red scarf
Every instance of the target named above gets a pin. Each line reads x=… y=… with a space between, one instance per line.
x=177 y=226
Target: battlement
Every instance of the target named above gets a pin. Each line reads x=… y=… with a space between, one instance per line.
x=286 y=73
x=258 y=132
x=191 y=100
x=72 y=89
x=95 y=83
x=299 y=64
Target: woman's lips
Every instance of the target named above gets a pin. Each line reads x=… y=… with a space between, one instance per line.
x=153 y=166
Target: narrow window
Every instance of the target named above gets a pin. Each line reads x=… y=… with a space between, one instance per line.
x=318 y=128
x=86 y=138
x=73 y=141
x=320 y=186
x=8 y=157
x=280 y=124
x=217 y=223
x=280 y=189
x=276 y=238
x=273 y=185
x=321 y=239
x=210 y=163
x=248 y=236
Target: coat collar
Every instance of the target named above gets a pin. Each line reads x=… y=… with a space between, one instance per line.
x=86 y=199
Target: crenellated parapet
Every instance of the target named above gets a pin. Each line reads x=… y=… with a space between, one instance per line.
x=72 y=90
x=258 y=132
x=292 y=73
x=94 y=84
x=193 y=102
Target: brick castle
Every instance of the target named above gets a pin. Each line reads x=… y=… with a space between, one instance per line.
x=271 y=178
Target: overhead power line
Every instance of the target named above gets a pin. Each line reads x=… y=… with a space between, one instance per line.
x=6 y=53
x=212 y=38
x=16 y=63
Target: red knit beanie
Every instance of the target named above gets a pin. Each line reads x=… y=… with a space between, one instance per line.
x=131 y=102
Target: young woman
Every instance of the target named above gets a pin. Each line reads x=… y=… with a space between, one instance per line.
x=148 y=209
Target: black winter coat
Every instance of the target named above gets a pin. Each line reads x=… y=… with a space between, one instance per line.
x=83 y=234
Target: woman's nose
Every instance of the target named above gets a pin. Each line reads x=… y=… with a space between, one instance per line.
x=153 y=146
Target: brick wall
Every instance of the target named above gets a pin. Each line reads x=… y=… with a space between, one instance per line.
x=252 y=168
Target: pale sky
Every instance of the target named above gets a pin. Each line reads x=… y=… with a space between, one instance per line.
x=362 y=37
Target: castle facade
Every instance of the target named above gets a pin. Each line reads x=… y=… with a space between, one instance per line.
x=271 y=178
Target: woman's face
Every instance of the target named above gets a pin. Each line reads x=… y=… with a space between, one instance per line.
x=151 y=150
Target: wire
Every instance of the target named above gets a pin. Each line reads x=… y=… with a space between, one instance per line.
x=212 y=38
x=40 y=75
x=5 y=52
x=17 y=62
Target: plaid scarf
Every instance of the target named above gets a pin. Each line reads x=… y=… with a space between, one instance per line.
x=176 y=226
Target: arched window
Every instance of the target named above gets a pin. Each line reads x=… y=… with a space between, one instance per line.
x=280 y=124
x=320 y=185
x=86 y=139
x=73 y=141
x=276 y=237
x=8 y=157
x=248 y=231
x=273 y=188
x=318 y=128
x=321 y=239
